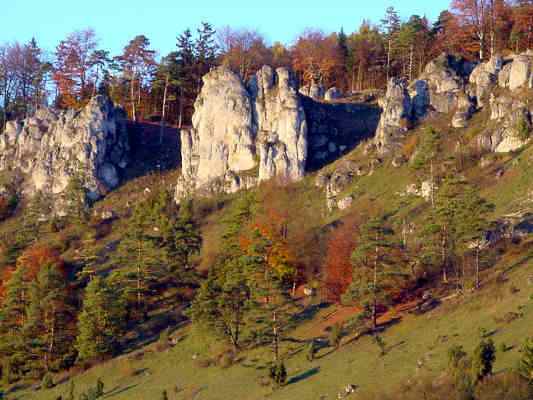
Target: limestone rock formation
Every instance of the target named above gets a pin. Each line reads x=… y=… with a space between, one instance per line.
x=510 y=125
x=332 y=94
x=397 y=112
x=51 y=146
x=485 y=77
x=521 y=74
x=242 y=134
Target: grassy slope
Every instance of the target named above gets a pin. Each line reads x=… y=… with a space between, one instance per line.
x=416 y=338
x=425 y=338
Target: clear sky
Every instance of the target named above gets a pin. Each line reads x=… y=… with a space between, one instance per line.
x=117 y=21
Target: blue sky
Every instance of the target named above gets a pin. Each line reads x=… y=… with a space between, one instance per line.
x=117 y=21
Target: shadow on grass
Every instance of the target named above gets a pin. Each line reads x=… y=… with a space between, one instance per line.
x=308 y=313
x=304 y=375
x=116 y=391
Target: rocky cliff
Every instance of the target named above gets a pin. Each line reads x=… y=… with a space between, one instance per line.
x=48 y=148
x=243 y=134
x=458 y=88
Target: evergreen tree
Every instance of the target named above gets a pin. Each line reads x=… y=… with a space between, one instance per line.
x=142 y=259
x=473 y=224
x=269 y=277
x=205 y=51
x=375 y=268
x=12 y=320
x=48 y=330
x=77 y=212
x=185 y=74
x=390 y=25
x=101 y=320
x=187 y=238
x=223 y=302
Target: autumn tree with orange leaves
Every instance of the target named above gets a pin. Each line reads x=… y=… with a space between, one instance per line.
x=72 y=68
x=317 y=58
x=338 y=267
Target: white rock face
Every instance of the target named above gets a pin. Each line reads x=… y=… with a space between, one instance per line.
x=520 y=72
x=242 y=135
x=511 y=121
x=332 y=94
x=397 y=110
x=485 y=77
x=52 y=146
x=281 y=125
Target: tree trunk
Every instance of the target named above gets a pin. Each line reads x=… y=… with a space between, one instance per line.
x=132 y=98
x=374 y=289
x=163 y=112
x=275 y=333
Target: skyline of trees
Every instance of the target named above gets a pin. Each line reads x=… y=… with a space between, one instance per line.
x=163 y=87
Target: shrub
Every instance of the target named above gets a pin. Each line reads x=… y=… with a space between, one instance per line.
x=311 y=350
x=164 y=395
x=164 y=340
x=378 y=340
x=525 y=367
x=335 y=335
x=99 y=388
x=507 y=386
x=278 y=374
x=226 y=359
x=483 y=360
x=522 y=129
x=47 y=381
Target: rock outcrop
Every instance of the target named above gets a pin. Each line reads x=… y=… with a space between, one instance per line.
x=395 y=119
x=509 y=127
x=332 y=94
x=52 y=146
x=243 y=134
x=451 y=85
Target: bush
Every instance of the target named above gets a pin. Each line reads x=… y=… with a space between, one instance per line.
x=99 y=388
x=164 y=340
x=278 y=374
x=483 y=360
x=335 y=335
x=47 y=382
x=226 y=359
x=522 y=130
x=507 y=386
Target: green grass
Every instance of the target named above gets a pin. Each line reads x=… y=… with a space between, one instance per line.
x=426 y=338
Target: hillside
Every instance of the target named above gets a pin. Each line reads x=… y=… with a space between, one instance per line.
x=277 y=228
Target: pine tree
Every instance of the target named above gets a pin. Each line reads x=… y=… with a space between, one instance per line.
x=473 y=224
x=205 y=51
x=187 y=238
x=375 y=268
x=390 y=25
x=75 y=196
x=12 y=318
x=223 y=302
x=101 y=320
x=138 y=252
x=49 y=326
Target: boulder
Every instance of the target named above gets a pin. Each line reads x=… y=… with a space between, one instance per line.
x=520 y=71
x=510 y=128
x=332 y=94
x=485 y=77
x=396 y=116
x=316 y=91
x=464 y=111
x=51 y=147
